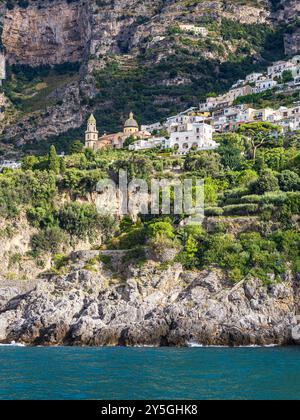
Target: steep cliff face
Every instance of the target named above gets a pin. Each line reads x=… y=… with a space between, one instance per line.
x=138 y=45
x=47 y=33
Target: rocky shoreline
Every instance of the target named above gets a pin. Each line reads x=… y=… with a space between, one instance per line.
x=148 y=305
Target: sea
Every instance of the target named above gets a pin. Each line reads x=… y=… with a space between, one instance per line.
x=194 y=373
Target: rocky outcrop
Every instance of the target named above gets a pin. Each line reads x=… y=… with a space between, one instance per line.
x=149 y=306
x=47 y=33
x=70 y=113
x=292 y=43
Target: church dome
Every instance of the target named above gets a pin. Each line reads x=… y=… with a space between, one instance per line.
x=131 y=122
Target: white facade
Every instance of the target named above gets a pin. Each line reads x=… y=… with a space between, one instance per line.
x=225 y=100
x=152 y=127
x=197 y=136
x=253 y=77
x=151 y=143
x=10 y=164
x=263 y=85
x=238 y=84
x=179 y=123
x=278 y=68
x=196 y=30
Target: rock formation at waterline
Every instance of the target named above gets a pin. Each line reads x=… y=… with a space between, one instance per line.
x=148 y=305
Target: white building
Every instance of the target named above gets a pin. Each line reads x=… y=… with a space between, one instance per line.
x=253 y=77
x=225 y=100
x=179 y=123
x=197 y=136
x=264 y=84
x=10 y=164
x=152 y=127
x=181 y=117
x=148 y=144
x=196 y=30
x=279 y=67
x=238 y=84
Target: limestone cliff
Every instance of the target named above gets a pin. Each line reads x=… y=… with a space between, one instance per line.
x=90 y=305
x=47 y=33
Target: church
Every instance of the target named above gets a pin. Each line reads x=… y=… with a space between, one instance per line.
x=116 y=140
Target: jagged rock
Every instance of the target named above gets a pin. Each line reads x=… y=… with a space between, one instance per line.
x=7 y=294
x=150 y=307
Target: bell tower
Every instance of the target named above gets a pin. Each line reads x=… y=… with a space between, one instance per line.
x=91 y=134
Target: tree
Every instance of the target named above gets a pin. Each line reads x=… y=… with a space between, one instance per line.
x=267 y=182
x=76 y=147
x=48 y=240
x=83 y=220
x=289 y=181
x=161 y=227
x=258 y=135
x=29 y=162
x=206 y=163
x=287 y=76
x=231 y=150
x=247 y=177
x=54 y=161
x=130 y=140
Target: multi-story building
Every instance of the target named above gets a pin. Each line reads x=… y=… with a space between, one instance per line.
x=225 y=100
x=196 y=136
x=262 y=85
x=253 y=77
x=152 y=127
x=233 y=94
x=279 y=67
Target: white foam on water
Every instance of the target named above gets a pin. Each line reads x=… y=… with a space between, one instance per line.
x=12 y=344
x=197 y=345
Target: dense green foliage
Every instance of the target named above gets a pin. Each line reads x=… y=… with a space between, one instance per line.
x=262 y=187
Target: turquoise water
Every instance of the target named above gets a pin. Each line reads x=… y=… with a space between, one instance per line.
x=166 y=373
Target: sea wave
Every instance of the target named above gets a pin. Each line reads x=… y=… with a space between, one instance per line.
x=197 y=345
x=12 y=344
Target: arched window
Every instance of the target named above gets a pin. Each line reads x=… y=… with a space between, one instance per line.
x=176 y=146
x=185 y=146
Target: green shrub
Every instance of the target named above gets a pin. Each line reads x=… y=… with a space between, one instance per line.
x=241 y=209
x=267 y=182
x=289 y=181
x=251 y=199
x=83 y=221
x=214 y=211
x=48 y=240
